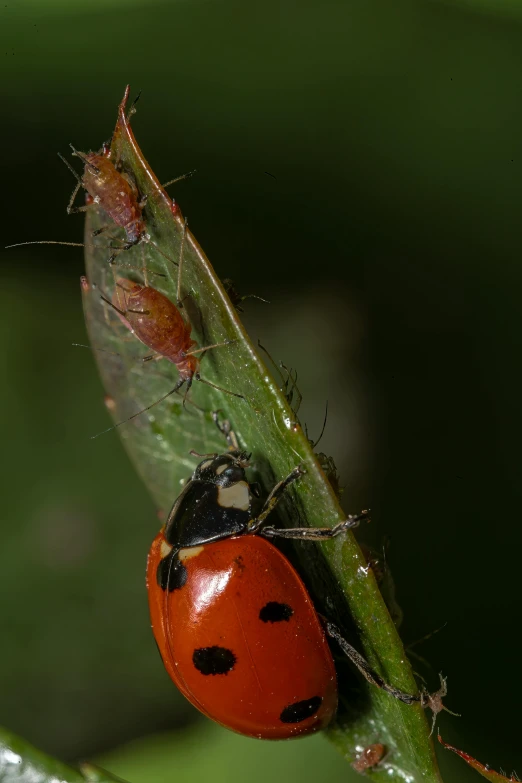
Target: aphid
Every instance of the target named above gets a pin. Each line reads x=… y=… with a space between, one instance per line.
x=369 y=757
x=234 y=623
x=112 y=189
x=158 y=324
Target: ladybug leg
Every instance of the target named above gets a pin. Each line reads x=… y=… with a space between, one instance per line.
x=315 y=533
x=274 y=498
x=367 y=672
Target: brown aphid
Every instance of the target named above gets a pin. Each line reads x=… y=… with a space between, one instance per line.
x=110 y=187
x=114 y=191
x=158 y=324
x=85 y=285
x=369 y=757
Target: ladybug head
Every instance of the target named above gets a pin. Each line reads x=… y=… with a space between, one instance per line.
x=223 y=470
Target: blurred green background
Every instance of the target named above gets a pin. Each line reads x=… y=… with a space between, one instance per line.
x=360 y=166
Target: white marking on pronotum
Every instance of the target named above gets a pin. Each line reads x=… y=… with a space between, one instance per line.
x=165 y=549
x=221 y=468
x=206 y=464
x=188 y=552
x=236 y=496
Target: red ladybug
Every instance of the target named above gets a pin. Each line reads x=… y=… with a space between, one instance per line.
x=234 y=624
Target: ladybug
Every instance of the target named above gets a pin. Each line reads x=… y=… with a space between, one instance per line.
x=234 y=623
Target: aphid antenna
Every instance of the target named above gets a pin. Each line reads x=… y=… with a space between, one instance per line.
x=254 y=296
x=82 y=244
x=148 y=358
x=178 y=385
x=178 y=179
x=208 y=347
x=72 y=170
x=426 y=637
x=84 y=159
x=48 y=242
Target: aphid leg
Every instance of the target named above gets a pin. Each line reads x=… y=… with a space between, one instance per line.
x=180 y=265
x=102 y=230
x=315 y=443
x=274 y=498
x=125 y=246
x=316 y=533
x=365 y=669
x=79 y=183
x=189 y=384
x=235 y=297
x=208 y=347
x=286 y=389
x=274 y=365
x=197 y=377
x=74 y=210
x=123 y=313
x=433 y=701
x=290 y=387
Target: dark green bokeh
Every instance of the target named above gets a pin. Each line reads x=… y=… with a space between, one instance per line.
x=394 y=136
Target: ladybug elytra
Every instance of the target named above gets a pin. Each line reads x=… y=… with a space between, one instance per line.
x=234 y=623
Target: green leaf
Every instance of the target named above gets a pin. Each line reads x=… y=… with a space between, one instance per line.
x=160 y=440
x=486 y=772
x=21 y=763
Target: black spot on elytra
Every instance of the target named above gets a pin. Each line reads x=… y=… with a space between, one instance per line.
x=171 y=573
x=213 y=660
x=301 y=710
x=274 y=612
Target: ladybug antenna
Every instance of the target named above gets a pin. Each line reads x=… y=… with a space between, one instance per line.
x=178 y=385
x=313 y=445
